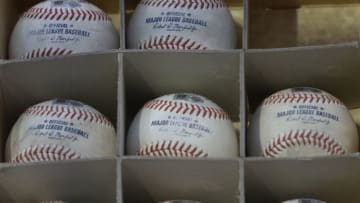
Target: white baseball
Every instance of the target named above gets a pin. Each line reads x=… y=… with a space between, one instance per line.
x=182 y=125
x=302 y=122
x=182 y=24
x=59 y=130
x=62 y=27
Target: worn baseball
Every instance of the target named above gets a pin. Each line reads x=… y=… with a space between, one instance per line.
x=62 y=27
x=182 y=125
x=59 y=130
x=302 y=122
x=182 y=24
x=303 y=201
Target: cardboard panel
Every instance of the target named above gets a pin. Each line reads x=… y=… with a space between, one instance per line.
x=92 y=79
x=241 y=188
x=209 y=181
x=122 y=29
x=7 y=19
x=334 y=69
x=235 y=6
x=3 y=31
x=275 y=24
x=119 y=181
x=245 y=37
x=74 y=181
x=243 y=106
x=121 y=110
x=332 y=179
x=3 y=132
x=4 y=196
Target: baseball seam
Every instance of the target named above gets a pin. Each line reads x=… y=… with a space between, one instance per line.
x=48 y=152
x=69 y=14
x=301 y=98
x=296 y=138
x=171 y=148
x=67 y=112
x=169 y=42
x=45 y=52
x=189 y=4
x=187 y=109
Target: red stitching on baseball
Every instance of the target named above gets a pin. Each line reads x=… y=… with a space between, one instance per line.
x=48 y=152
x=58 y=14
x=184 y=108
x=71 y=112
x=189 y=4
x=169 y=42
x=301 y=98
x=170 y=148
x=45 y=52
x=303 y=138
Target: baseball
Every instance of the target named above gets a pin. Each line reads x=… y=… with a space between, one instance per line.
x=181 y=25
x=62 y=27
x=302 y=122
x=182 y=125
x=59 y=130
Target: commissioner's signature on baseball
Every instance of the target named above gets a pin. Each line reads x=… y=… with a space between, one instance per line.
x=307 y=120
x=174 y=27
x=182 y=132
x=55 y=135
x=62 y=39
